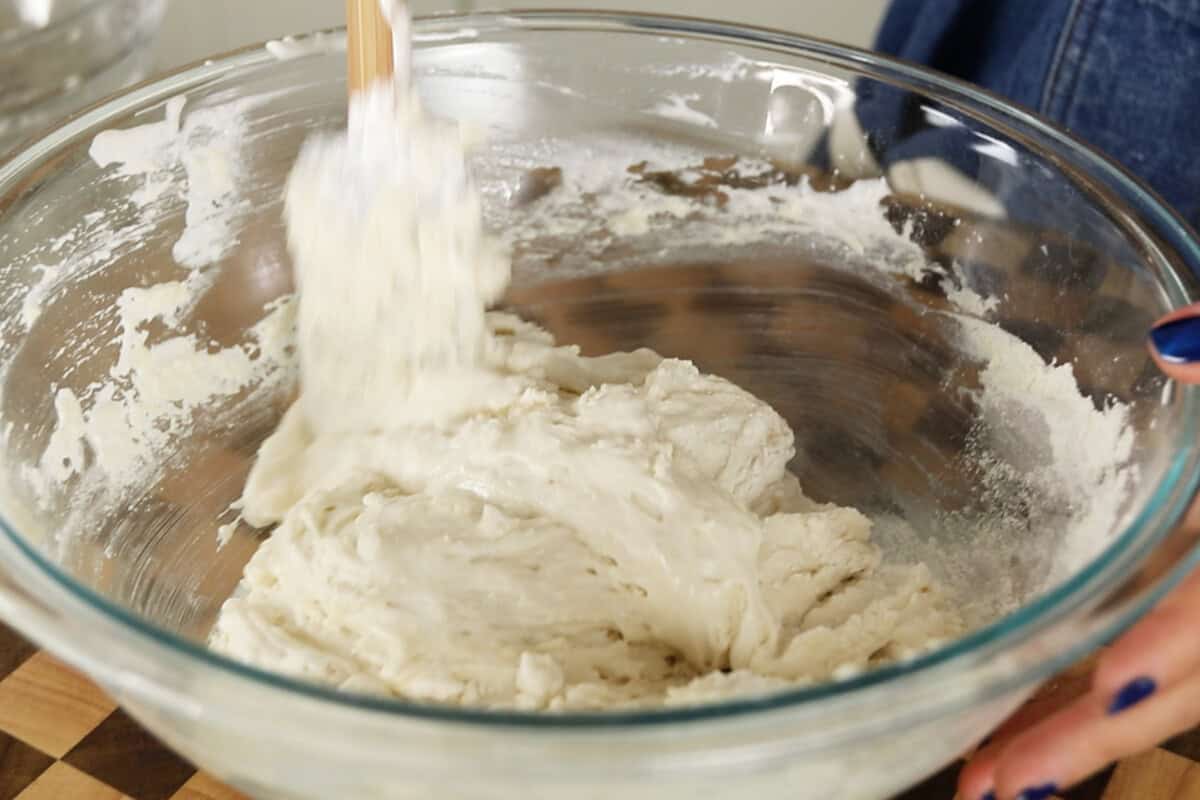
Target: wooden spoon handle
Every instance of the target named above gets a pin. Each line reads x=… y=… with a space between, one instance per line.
x=368 y=44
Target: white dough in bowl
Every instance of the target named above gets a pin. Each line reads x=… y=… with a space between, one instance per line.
x=624 y=531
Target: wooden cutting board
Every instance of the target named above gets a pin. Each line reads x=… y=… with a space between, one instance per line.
x=61 y=738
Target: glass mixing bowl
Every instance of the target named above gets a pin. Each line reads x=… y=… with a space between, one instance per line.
x=841 y=320
x=57 y=56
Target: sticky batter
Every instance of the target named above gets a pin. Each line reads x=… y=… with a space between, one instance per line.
x=468 y=513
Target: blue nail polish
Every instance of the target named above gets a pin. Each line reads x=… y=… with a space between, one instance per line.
x=989 y=796
x=1043 y=792
x=1134 y=692
x=1178 y=341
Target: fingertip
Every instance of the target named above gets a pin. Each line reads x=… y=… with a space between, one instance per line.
x=1043 y=791
x=1174 y=342
x=977 y=778
x=1192 y=310
x=1037 y=758
x=1181 y=372
x=1155 y=654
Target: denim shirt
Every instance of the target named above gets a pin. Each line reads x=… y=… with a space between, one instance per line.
x=1123 y=75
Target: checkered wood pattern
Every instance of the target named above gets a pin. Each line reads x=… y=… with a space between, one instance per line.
x=61 y=738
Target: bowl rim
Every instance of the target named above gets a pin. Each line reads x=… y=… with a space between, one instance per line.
x=1163 y=509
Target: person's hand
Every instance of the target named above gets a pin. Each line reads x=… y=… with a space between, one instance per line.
x=1145 y=688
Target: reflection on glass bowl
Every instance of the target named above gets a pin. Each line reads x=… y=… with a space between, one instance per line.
x=57 y=56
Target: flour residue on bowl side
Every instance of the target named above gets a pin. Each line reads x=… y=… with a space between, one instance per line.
x=622 y=201
x=207 y=145
x=1038 y=424
x=119 y=430
x=194 y=158
x=112 y=433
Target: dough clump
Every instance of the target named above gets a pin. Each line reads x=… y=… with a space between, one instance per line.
x=623 y=531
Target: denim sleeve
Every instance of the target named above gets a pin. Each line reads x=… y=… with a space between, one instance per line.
x=1123 y=75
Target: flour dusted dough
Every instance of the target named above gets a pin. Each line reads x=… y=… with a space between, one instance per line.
x=470 y=514
x=623 y=532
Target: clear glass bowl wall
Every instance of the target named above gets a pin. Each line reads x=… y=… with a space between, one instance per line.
x=858 y=364
x=57 y=56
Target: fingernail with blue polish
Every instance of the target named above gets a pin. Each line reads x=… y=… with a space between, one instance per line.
x=1044 y=792
x=1178 y=341
x=989 y=796
x=1134 y=692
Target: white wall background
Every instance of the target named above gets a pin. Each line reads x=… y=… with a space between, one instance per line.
x=195 y=29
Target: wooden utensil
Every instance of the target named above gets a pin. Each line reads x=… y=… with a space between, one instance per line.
x=368 y=44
